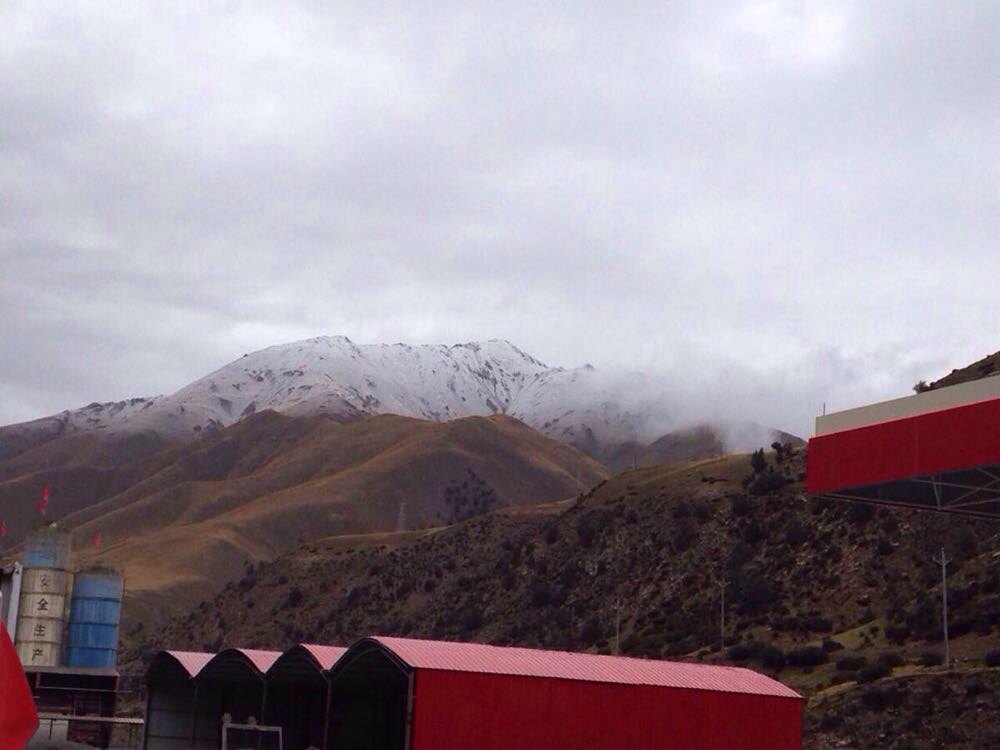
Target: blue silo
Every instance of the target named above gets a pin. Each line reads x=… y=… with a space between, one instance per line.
x=95 y=611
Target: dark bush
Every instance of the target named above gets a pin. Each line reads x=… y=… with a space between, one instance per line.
x=830 y=645
x=681 y=510
x=471 y=619
x=860 y=513
x=890 y=659
x=796 y=533
x=873 y=672
x=931 y=659
x=992 y=658
x=806 y=656
x=743 y=651
x=851 y=663
x=897 y=632
x=817 y=624
x=741 y=505
x=877 y=699
x=590 y=631
x=702 y=511
x=585 y=531
x=769 y=481
x=541 y=594
x=772 y=657
x=551 y=534
x=295 y=597
x=755 y=592
x=685 y=534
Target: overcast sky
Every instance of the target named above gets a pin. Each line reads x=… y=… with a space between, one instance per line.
x=770 y=204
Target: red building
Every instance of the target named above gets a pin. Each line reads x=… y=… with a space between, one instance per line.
x=937 y=450
x=397 y=693
x=404 y=694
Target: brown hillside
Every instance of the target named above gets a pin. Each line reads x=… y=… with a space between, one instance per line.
x=82 y=469
x=984 y=368
x=824 y=595
x=200 y=512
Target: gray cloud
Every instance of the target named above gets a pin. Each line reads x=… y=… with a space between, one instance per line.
x=767 y=204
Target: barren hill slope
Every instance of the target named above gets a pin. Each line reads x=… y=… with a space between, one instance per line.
x=199 y=513
x=986 y=367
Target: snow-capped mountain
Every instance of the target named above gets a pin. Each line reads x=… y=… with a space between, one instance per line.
x=333 y=375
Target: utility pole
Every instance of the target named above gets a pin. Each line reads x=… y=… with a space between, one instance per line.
x=401 y=521
x=618 y=626
x=943 y=562
x=722 y=612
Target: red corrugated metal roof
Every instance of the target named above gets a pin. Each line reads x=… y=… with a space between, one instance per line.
x=477 y=657
x=260 y=659
x=325 y=656
x=192 y=661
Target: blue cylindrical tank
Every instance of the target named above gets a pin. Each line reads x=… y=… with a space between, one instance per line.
x=95 y=611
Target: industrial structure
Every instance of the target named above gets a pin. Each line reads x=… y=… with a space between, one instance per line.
x=936 y=450
x=65 y=625
x=406 y=694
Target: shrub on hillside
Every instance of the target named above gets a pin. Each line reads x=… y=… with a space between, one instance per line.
x=877 y=699
x=851 y=663
x=992 y=658
x=772 y=658
x=807 y=656
x=873 y=672
x=741 y=505
x=796 y=533
x=897 y=632
x=585 y=531
x=931 y=659
x=860 y=513
x=769 y=481
x=817 y=623
x=681 y=510
x=884 y=546
x=743 y=651
x=551 y=534
x=890 y=659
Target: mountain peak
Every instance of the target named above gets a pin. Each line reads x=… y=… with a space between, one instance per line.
x=335 y=377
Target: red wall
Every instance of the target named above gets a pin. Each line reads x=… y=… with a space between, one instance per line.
x=963 y=437
x=465 y=710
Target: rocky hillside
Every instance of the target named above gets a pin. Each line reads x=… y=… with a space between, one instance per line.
x=832 y=598
x=984 y=368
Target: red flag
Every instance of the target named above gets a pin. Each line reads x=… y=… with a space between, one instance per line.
x=3 y=528
x=18 y=716
x=96 y=539
x=44 y=502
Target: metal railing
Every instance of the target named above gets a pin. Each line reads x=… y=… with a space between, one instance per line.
x=118 y=733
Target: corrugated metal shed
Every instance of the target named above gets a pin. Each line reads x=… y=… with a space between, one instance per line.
x=525 y=662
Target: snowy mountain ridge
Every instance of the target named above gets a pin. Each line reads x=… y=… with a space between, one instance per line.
x=332 y=375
